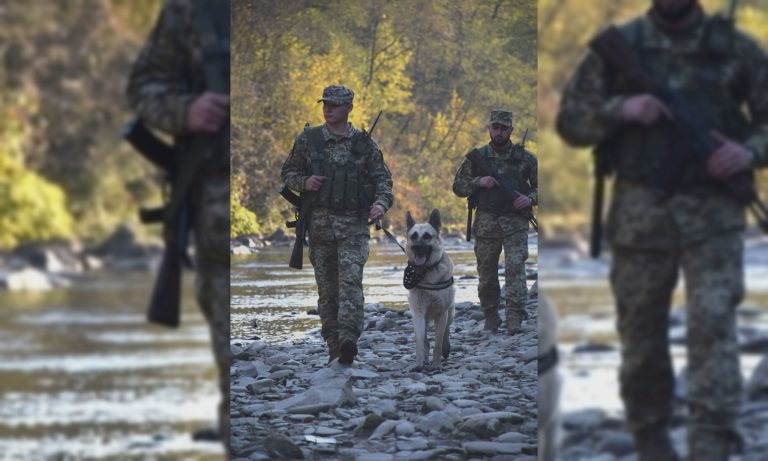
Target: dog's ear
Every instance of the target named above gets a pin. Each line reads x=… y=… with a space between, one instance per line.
x=434 y=220
x=409 y=222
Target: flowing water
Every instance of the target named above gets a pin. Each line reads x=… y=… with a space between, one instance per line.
x=83 y=376
x=270 y=300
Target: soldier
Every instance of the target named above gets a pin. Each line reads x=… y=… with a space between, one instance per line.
x=345 y=170
x=696 y=226
x=179 y=85
x=501 y=222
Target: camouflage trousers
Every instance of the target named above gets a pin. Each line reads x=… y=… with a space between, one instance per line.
x=643 y=282
x=487 y=251
x=211 y=234
x=338 y=251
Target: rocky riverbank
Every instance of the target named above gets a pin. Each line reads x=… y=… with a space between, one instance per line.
x=46 y=265
x=287 y=404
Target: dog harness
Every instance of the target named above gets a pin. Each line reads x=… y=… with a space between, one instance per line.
x=413 y=276
x=548 y=360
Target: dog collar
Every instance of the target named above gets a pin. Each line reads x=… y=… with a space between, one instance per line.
x=548 y=360
x=413 y=276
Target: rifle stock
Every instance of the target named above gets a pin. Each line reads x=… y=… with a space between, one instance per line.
x=471 y=205
x=165 y=303
x=290 y=196
x=150 y=146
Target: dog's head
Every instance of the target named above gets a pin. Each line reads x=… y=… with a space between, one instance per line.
x=423 y=246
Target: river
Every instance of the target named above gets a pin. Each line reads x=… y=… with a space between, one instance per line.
x=85 y=377
x=270 y=300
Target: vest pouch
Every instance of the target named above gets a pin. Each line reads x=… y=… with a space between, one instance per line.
x=337 y=192
x=351 y=194
x=367 y=194
x=362 y=144
x=324 y=196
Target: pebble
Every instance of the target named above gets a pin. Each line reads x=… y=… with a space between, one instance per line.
x=378 y=409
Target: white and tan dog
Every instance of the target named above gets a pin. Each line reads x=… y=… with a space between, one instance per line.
x=429 y=280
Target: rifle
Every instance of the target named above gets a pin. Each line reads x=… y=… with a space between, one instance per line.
x=617 y=53
x=522 y=141
x=603 y=167
x=471 y=205
x=303 y=205
x=165 y=302
x=482 y=168
x=164 y=305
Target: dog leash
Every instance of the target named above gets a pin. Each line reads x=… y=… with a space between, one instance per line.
x=392 y=238
x=411 y=277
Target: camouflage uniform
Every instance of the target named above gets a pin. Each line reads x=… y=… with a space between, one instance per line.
x=164 y=80
x=493 y=230
x=338 y=237
x=695 y=227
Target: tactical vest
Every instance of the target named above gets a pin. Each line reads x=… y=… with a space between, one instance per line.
x=494 y=200
x=348 y=186
x=656 y=155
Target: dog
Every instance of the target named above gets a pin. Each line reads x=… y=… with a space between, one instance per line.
x=429 y=280
x=550 y=382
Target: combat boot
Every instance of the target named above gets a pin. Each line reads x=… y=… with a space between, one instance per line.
x=514 y=321
x=348 y=352
x=492 y=320
x=334 y=350
x=708 y=446
x=654 y=444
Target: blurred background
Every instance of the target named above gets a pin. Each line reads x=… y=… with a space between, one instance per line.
x=578 y=285
x=82 y=375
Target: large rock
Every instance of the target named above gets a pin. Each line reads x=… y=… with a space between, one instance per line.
x=123 y=251
x=26 y=279
x=51 y=257
x=240 y=250
x=281 y=447
x=757 y=386
x=436 y=421
x=279 y=237
x=491 y=448
x=330 y=388
x=487 y=425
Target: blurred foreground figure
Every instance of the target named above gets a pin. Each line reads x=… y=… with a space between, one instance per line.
x=180 y=85
x=674 y=206
x=550 y=383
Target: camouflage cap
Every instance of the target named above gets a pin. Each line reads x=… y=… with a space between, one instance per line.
x=337 y=94
x=500 y=116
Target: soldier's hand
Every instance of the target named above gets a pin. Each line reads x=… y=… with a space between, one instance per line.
x=522 y=202
x=730 y=158
x=487 y=182
x=314 y=183
x=208 y=113
x=377 y=212
x=644 y=109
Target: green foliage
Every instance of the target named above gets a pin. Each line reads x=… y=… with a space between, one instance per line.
x=31 y=208
x=62 y=96
x=435 y=67
x=243 y=221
